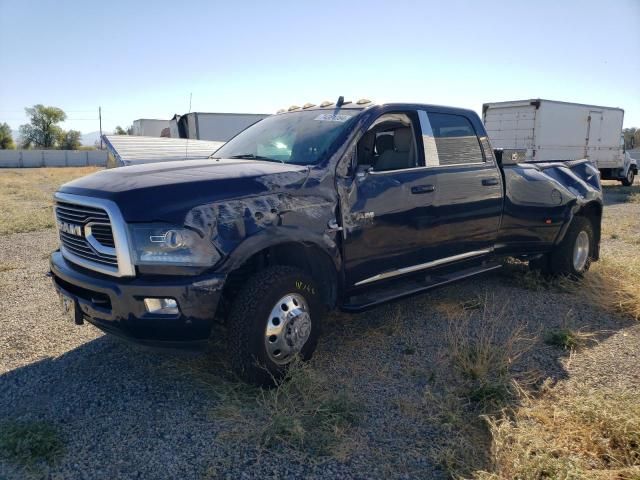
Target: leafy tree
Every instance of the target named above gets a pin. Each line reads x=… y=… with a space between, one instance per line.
x=42 y=131
x=122 y=131
x=69 y=140
x=6 y=139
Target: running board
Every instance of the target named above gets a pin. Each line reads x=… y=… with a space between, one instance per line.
x=400 y=289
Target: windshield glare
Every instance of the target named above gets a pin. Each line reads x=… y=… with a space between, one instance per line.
x=301 y=137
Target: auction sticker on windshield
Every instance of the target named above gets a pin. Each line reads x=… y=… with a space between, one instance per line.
x=330 y=117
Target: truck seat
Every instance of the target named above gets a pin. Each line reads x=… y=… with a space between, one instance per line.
x=384 y=143
x=402 y=155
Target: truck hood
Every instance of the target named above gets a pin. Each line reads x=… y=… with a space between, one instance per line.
x=166 y=191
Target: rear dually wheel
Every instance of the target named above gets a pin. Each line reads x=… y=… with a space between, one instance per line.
x=572 y=256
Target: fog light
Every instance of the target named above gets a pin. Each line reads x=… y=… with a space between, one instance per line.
x=164 y=306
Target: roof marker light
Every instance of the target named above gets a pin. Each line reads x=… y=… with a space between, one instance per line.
x=363 y=101
x=282 y=110
x=309 y=105
x=326 y=104
x=293 y=107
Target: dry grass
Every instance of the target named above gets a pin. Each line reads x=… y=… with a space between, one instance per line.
x=26 y=196
x=483 y=346
x=5 y=267
x=27 y=443
x=568 y=338
x=305 y=414
x=614 y=284
x=519 y=274
x=569 y=435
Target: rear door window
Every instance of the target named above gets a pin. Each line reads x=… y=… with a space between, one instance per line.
x=450 y=140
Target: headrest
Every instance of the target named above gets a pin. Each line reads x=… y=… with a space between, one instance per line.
x=384 y=143
x=402 y=139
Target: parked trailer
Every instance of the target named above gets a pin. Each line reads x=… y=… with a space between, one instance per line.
x=149 y=127
x=219 y=127
x=544 y=130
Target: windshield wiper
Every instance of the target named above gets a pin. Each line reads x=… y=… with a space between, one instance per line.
x=251 y=156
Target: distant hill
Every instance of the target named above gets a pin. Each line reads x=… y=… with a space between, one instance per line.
x=89 y=139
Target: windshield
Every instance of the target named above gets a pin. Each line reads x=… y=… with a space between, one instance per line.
x=300 y=137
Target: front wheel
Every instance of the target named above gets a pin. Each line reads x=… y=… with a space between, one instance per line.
x=275 y=317
x=628 y=180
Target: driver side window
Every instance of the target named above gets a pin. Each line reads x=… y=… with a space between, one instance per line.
x=389 y=144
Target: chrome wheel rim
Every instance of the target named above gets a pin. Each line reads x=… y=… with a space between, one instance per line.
x=288 y=328
x=581 y=251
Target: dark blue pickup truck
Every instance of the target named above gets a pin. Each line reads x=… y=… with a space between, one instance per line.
x=344 y=205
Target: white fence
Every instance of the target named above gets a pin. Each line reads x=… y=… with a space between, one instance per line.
x=52 y=158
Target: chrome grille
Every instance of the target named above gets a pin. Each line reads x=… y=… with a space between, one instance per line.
x=68 y=212
x=74 y=240
x=103 y=234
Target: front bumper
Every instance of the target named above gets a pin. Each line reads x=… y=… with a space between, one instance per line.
x=116 y=305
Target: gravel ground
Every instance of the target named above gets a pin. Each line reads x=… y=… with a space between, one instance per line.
x=129 y=412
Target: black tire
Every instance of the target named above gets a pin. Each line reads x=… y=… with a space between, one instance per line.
x=250 y=312
x=560 y=260
x=628 y=180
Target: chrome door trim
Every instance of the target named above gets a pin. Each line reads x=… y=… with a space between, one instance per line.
x=422 y=266
x=120 y=237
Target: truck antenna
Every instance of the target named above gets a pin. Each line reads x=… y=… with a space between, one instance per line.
x=340 y=101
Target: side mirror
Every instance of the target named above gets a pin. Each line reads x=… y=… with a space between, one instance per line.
x=362 y=171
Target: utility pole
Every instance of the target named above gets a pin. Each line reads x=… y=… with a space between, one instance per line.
x=100 y=118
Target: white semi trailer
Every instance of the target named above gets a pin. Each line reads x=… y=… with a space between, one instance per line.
x=219 y=127
x=541 y=130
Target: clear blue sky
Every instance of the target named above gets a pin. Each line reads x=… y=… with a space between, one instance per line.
x=142 y=59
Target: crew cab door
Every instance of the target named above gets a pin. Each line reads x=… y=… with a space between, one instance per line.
x=387 y=207
x=468 y=202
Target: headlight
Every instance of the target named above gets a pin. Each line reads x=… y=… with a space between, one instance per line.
x=168 y=245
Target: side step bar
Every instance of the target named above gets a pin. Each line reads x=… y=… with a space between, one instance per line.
x=409 y=287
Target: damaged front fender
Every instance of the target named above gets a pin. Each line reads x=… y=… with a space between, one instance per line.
x=241 y=227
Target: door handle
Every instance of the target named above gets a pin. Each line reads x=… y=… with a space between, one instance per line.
x=487 y=182
x=418 y=189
